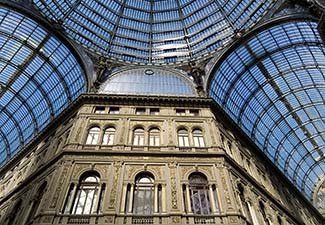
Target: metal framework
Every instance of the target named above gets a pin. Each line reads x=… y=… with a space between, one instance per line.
x=39 y=78
x=154 y=31
x=273 y=86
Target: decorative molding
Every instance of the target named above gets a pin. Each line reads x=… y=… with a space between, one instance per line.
x=112 y=200
x=172 y=167
x=59 y=188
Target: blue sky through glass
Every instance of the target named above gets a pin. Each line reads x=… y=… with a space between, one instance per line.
x=39 y=77
x=273 y=87
x=154 y=31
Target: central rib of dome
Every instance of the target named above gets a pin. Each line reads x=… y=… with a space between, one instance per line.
x=153 y=31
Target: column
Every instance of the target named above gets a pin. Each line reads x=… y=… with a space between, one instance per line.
x=123 y=201
x=241 y=207
x=213 y=201
x=70 y=197
x=27 y=215
x=98 y=198
x=253 y=214
x=163 y=198
x=156 y=199
x=269 y=219
x=188 y=198
x=131 y=199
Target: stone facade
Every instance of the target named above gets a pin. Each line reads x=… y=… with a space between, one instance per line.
x=242 y=186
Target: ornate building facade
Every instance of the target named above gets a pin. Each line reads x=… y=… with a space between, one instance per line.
x=147 y=160
x=161 y=112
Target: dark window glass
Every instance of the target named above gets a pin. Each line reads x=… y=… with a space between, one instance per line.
x=180 y=112
x=114 y=110
x=140 y=111
x=99 y=109
x=154 y=111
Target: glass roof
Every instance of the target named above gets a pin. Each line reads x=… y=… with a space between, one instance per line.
x=273 y=86
x=153 y=31
x=145 y=81
x=39 y=77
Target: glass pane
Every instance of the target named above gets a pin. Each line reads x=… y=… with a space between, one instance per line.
x=277 y=101
x=154 y=31
x=38 y=92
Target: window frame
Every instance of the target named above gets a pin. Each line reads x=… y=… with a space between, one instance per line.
x=108 y=136
x=99 y=109
x=114 y=110
x=86 y=188
x=197 y=191
x=138 y=137
x=93 y=135
x=183 y=138
x=146 y=189
x=198 y=138
x=154 y=137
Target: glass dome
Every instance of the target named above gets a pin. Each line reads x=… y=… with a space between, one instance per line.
x=145 y=81
x=273 y=86
x=39 y=77
x=153 y=31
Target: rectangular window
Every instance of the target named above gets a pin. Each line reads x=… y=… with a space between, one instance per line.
x=140 y=111
x=154 y=111
x=154 y=140
x=180 y=112
x=183 y=141
x=99 y=109
x=114 y=110
x=194 y=112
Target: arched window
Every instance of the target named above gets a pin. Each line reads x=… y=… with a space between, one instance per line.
x=108 y=138
x=138 y=136
x=93 y=136
x=36 y=202
x=243 y=203
x=144 y=195
x=198 y=138
x=143 y=198
x=14 y=213
x=154 y=137
x=183 y=138
x=199 y=193
x=86 y=197
x=264 y=217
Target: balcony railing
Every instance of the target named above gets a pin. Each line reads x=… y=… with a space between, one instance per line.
x=204 y=220
x=79 y=220
x=142 y=220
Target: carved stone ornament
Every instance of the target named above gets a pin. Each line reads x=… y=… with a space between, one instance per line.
x=112 y=200
x=103 y=169
x=77 y=169
x=133 y=170
x=47 y=219
x=224 y=185
x=172 y=167
x=58 y=190
x=157 y=170
x=103 y=71
x=176 y=219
